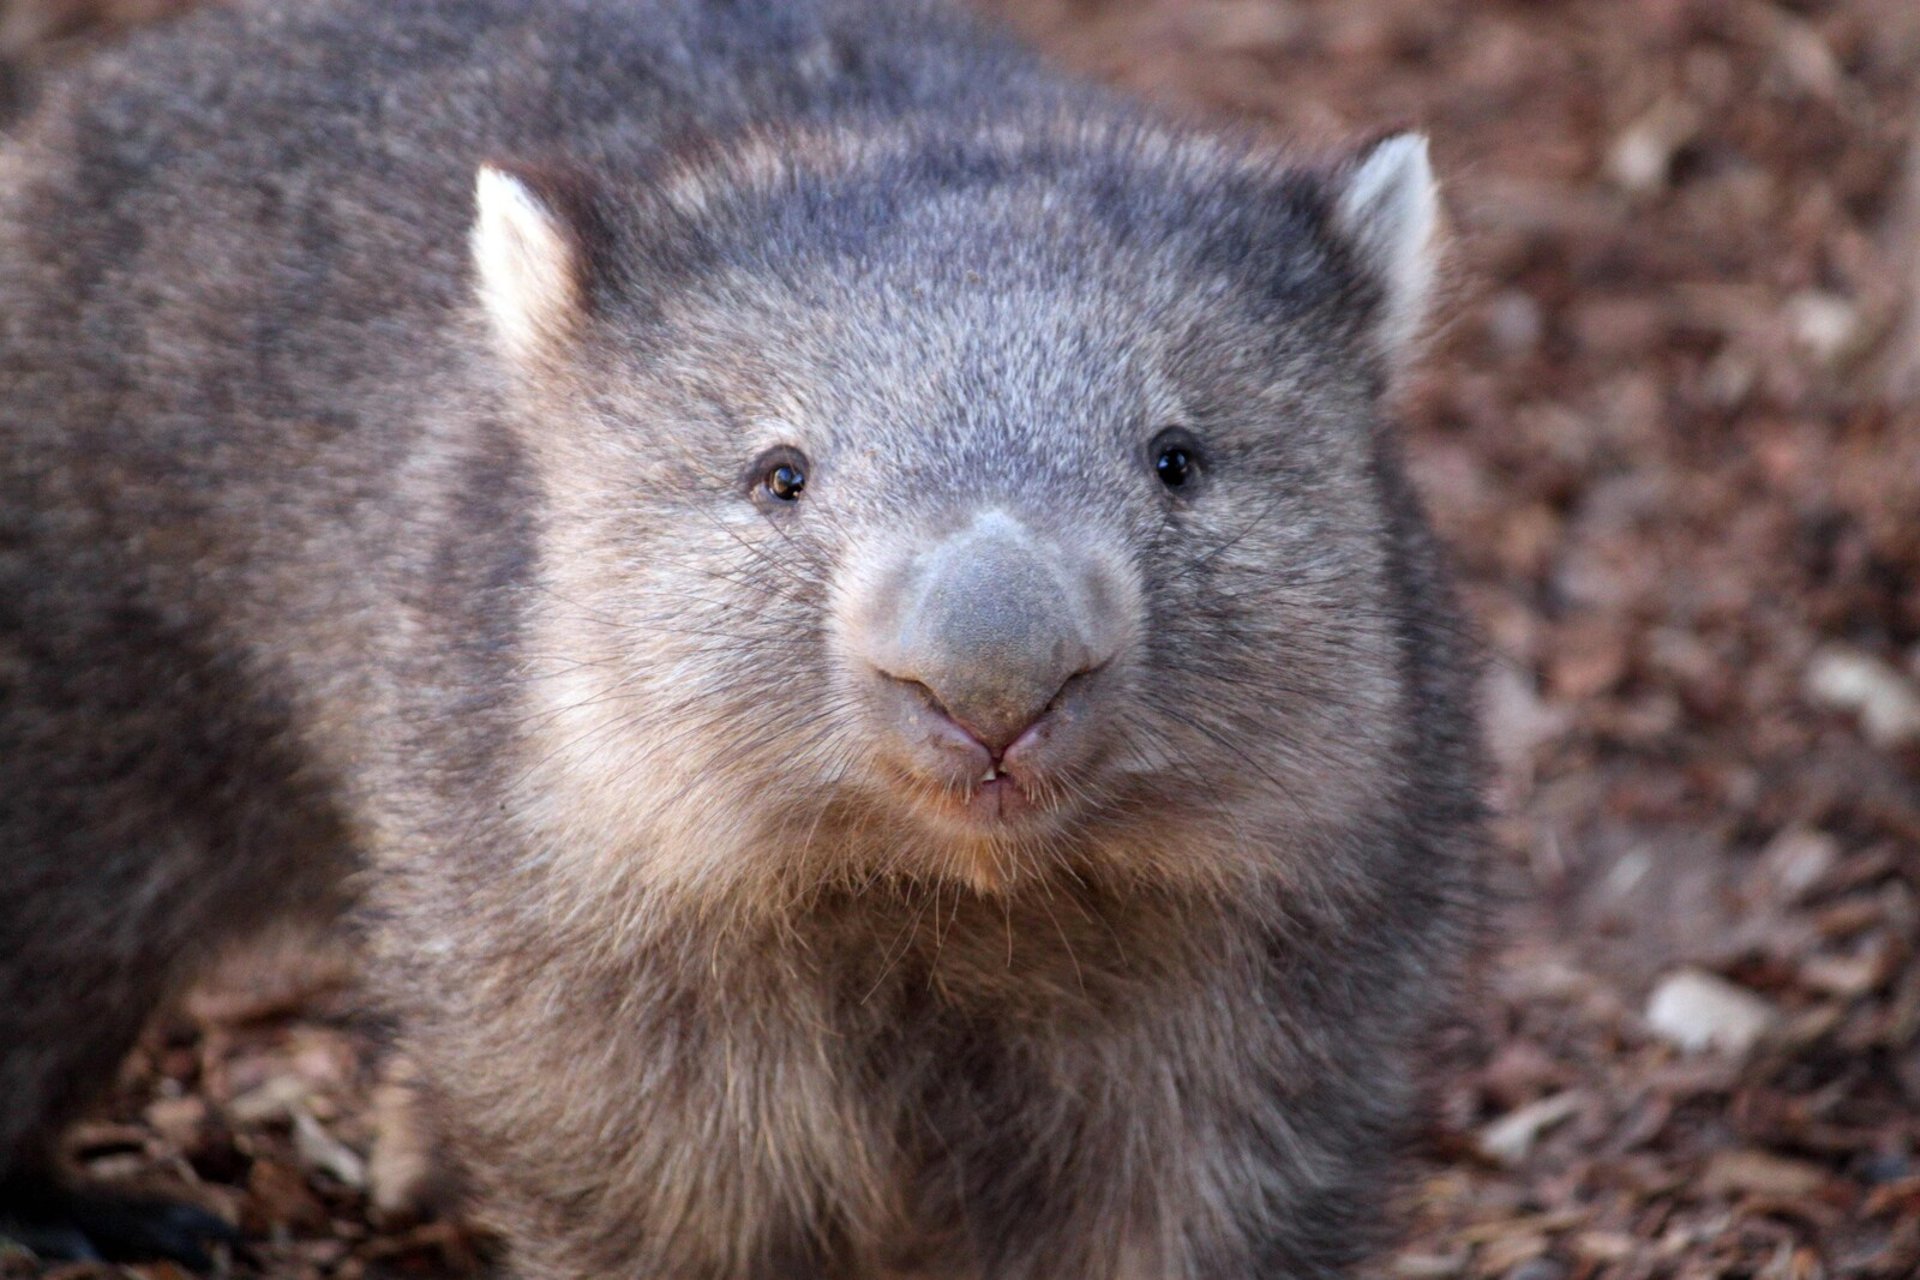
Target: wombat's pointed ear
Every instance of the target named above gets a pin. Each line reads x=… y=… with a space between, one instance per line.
x=530 y=255
x=1387 y=207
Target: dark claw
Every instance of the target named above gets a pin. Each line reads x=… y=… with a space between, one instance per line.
x=97 y=1226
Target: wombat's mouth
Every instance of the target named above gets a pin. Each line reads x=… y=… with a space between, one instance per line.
x=1001 y=801
x=997 y=798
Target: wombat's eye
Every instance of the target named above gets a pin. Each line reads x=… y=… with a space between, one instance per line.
x=786 y=481
x=782 y=475
x=1175 y=457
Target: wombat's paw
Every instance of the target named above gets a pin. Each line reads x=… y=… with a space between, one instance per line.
x=93 y=1226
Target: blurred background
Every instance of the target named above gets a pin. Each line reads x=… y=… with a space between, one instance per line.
x=1670 y=427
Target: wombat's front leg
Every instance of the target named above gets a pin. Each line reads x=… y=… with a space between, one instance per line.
x=1192 y=1145
x=610 y=1122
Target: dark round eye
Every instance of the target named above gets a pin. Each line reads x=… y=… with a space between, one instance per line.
x=1172 y=466
x=785 y=482
x=779 y=475
x=1176 y=458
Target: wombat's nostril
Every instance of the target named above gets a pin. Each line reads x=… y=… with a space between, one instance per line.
x=927 y=696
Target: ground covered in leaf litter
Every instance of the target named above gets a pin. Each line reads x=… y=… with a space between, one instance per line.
x=1670 y=429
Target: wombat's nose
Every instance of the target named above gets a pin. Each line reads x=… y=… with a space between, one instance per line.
x=993 y=622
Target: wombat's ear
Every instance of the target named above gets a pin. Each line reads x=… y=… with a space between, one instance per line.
x=1386 y=206
x=532 y=242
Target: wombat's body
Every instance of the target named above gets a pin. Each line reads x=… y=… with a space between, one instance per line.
x=864 y=626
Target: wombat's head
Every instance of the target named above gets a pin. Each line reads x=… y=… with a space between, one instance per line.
x=976 y=507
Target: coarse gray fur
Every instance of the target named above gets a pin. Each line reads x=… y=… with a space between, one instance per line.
x=335 y=542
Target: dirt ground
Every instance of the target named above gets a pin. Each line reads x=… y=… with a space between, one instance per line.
x=1671 y=428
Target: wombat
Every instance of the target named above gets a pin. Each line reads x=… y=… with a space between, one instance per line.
x=840 y=606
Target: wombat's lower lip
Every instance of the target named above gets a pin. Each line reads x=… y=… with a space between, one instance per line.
x=999 y=800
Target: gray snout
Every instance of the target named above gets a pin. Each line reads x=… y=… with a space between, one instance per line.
x=993 y=622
